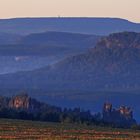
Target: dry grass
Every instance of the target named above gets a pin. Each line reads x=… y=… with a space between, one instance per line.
x=28 y=130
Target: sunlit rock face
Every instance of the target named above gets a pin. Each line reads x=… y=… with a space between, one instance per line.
x=121 y=115
x=107 y=107
x=24 y=102
x=126 y=111
x=20 y=101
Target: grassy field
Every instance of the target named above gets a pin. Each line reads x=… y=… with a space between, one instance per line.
x=28 y=130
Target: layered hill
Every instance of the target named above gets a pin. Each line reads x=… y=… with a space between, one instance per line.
x=47 y=43
x=98 y=26
x=113 y=63
x=38 y=50
x=60 y=39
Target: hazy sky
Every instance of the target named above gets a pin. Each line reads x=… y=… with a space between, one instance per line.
x=128 y=9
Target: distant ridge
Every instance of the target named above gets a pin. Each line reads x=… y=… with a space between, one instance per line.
x=98 y=26
x=112 y=63
x=19 y=53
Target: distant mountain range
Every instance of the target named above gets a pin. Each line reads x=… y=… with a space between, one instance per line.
x=97 y=26
x=112 y=63
x=38 y=50
x=48 y=43
x=66 y=61
x=108 y=71
x=60 y=39
x=49 y=40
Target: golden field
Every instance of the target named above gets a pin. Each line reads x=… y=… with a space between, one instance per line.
x=29 y=130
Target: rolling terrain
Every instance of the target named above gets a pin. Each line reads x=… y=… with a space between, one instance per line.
x=98 y=26
x=109 y=71
x=112 y=63
x=49 y=40
x=64 y=61
x=38 y=50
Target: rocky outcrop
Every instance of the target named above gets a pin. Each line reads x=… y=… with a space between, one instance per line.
x=20 y=101
x=24 y=107
x=121 y=116
x=24 y=102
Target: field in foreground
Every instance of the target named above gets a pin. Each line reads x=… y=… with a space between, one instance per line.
x=21 y=130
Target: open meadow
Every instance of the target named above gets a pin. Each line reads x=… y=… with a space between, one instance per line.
x=28 y=130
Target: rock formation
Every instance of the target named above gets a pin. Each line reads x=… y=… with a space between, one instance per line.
x=19 y=101
x=24 y=107
x=122 y=115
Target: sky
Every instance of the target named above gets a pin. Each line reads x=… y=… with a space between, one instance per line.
x=126 y=9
